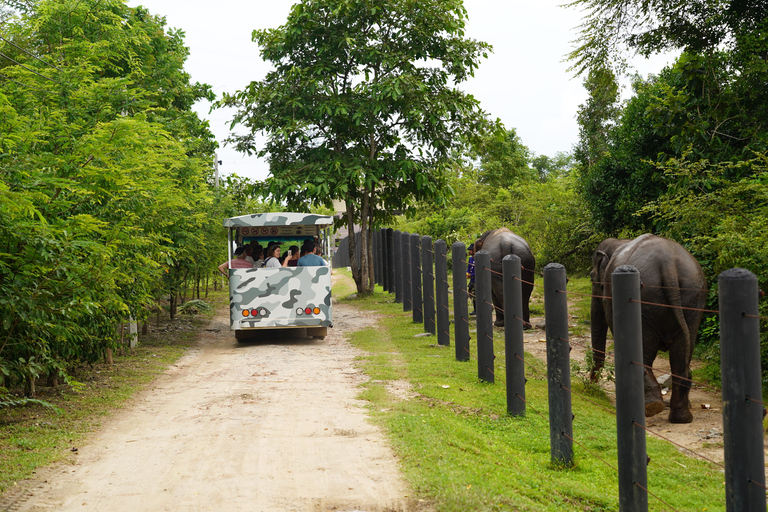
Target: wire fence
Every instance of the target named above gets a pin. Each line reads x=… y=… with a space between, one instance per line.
x=421 y=275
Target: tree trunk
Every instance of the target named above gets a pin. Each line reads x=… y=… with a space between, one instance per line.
x=352 y=246
x=29 y=386
x=369 y=250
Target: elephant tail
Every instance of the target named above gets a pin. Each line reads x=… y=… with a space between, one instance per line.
x=673 y=293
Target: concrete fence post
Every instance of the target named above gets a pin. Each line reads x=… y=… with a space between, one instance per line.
x=460 y=297
x=376 y=256
x=397 y=264
x=428 y=284
x=484 y=316
x=558 y=365
x=386 y=248
x=630 y=396
x=418 y=312
x=407 y=284
x=441 y=293
x=742 y=392
x=390 y=260
x=513 y=334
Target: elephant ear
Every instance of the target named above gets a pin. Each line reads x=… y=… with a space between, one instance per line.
x=600 y=260
x=478 y=244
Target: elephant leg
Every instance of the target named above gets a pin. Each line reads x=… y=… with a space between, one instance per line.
x=679 y=404
x=599 y=332
x=527 y=289
x=654 y=403
x=498 y=303
x=499 y=307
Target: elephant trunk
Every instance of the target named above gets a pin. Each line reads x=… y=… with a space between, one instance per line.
x=599 y=331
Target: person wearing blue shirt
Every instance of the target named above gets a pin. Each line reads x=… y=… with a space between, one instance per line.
x=310 y=259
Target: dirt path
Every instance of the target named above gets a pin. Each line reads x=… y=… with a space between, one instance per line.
x=702 y=438
x=267 y=425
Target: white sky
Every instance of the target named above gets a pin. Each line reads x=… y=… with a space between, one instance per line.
x=524 y=82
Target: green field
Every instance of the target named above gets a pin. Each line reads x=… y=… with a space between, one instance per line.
x=461 y=451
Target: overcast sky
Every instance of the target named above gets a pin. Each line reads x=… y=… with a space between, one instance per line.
x=524 y=82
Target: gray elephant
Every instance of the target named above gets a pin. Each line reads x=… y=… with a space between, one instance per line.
x=669 y=276
x=499 y=243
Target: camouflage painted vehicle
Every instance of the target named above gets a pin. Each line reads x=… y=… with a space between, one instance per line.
x=279 y=298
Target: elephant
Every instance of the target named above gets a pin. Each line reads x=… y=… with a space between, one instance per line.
x=670 y=275
x=499 y=243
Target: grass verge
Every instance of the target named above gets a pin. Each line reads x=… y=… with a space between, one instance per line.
x=31 y=437
x=461 y=451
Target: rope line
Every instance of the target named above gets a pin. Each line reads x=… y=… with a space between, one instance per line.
x=673 y=307
x=679 y=377
x=532 y=407
x=592 y=453
x=677 y=444
x=649 y=492
x=533 y=370
x=612 y=411
x=673 y=288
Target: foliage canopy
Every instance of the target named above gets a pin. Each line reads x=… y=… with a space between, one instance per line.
x=362 y=107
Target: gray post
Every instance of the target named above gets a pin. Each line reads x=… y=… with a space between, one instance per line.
x=441 y=293
x=630 y=396
x=513 y=334
x=390 y=260
x=484 y=316
x=558 y=365
x=383 y=253
x=460 y=297
x=376 y=256
x=742 y=392
x=428 y=284
x=407 y=285
x=418 y=312
x=385 y=259
x=398 y=266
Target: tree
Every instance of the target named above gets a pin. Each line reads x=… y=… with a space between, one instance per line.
x=503 y=159
x=102 y=185
x=612 y=28
x=362 y=106
x=557 y=166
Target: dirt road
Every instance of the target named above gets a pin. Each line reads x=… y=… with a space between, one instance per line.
x=268 y=425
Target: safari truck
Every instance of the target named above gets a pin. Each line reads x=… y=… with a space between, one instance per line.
x=279 y=298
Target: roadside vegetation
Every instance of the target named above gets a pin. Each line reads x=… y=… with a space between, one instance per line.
x=50 y=429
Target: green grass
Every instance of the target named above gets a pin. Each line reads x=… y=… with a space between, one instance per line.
x=35 y=436
x=461 y=451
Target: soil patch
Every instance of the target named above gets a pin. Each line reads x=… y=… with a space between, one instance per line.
x=266 y=425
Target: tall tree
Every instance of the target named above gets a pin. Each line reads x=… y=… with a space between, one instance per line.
x=612 y=28
x=103 y=170
x=362 y=106
x=503 y=159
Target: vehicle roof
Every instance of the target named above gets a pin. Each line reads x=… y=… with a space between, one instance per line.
x=278 y=219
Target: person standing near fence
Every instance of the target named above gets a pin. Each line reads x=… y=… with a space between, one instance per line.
x=471 y=276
